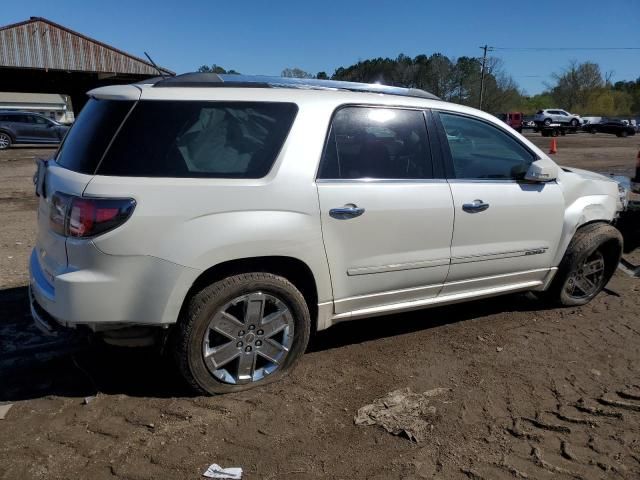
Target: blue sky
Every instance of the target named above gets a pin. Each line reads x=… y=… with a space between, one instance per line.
x=265 y=37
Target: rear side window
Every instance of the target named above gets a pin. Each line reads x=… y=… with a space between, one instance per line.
x=381 y=143
x=86 y=142
x=192 y=139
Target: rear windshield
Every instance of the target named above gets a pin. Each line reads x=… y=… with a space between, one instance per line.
x=192 y=139
x=94 y=128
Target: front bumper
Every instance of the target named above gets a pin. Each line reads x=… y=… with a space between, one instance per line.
x=111 y=292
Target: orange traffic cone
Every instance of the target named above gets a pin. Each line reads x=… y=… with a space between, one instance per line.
x=554 y=146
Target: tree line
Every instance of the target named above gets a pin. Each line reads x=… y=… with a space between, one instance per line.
x=580 y=88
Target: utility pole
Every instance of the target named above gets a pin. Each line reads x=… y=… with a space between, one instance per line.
x=486 y=49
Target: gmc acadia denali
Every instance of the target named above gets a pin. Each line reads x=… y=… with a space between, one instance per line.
x=232 y=216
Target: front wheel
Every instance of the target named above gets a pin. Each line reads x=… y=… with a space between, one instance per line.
x=574 y=122
x=243 y=331
x=589 y=263
x=547 y=122
x=624 y=134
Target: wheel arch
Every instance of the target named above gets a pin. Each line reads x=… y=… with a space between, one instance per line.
x=10 y=133
x=291 y=268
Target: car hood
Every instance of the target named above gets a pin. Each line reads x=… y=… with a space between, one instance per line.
x=621 y=184
x=587 y=174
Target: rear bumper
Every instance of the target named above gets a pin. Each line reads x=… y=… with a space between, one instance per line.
x=113 y=291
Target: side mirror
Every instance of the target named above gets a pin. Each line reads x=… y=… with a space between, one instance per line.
x=542 y=170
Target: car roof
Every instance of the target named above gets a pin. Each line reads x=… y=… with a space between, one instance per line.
x=213 y=80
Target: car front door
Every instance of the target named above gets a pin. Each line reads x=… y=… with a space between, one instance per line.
x=386 y=212
x=42 y=130
x=506 y=230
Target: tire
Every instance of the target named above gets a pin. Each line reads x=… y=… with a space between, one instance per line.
x=5 y=140
x=547 y=122
x=574 y=122
x=624 y=134
x=597 y=246
x=247 y=341
x=593 y=131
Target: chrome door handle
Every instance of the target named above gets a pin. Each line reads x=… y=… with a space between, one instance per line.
x=475 y=207
x=348 y=211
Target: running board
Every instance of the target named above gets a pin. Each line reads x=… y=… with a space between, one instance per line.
x=434 y=301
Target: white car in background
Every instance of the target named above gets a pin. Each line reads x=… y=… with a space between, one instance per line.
x=554 y=115
x=229 y=217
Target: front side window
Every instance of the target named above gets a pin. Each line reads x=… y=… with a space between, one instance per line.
x=481 y=151
x=198 y=139
x=377 y=143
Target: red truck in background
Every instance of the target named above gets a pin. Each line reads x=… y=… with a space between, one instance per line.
x=513 y=119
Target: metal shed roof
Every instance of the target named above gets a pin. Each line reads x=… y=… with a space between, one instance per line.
x=42 y=44
x=32 y=98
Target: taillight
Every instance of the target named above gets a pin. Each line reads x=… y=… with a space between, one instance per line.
x=87 y=217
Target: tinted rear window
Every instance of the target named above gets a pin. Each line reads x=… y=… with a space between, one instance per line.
x=192 y=139
x=86 y=142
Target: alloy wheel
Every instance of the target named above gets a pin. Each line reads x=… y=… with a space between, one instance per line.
x=5 y=141
x=248 y=338
x=588 y=278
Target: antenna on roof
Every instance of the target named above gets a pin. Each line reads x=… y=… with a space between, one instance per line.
x=162 y=74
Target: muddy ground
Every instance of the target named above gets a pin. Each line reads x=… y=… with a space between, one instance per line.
x=535 y=392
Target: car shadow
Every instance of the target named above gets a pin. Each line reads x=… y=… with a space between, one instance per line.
x=629 y=226
x=33 y=365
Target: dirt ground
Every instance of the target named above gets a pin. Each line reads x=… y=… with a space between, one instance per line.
x=534 y=393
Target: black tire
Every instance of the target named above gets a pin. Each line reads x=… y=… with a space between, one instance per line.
x=593 y=131
x=547 y=122
x=624 y=134
x=574 y=122
x=193 y=326
x=592 y=243
x=5 y=140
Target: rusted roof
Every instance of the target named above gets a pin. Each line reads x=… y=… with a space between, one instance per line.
x=42 y=44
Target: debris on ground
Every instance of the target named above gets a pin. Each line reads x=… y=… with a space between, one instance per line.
x=4 y=409
x=402 y=412
x=88 y=400
x=216 y=471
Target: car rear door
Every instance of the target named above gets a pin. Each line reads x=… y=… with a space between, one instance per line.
x=506 y=230
x=21 y=127
x=386 y=210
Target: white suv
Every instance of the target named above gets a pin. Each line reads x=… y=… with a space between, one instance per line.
x=549 y=116
x=232 y=216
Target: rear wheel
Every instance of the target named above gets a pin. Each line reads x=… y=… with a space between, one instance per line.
x=574 y=122
x=5 y=141
x=590 y=261
x=243 y=331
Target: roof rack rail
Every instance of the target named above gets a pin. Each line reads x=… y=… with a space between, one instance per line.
x=214 y=80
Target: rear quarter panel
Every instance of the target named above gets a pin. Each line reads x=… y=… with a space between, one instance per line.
x=199 y=223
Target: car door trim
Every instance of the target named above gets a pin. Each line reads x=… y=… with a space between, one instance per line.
x=458 y=297
x=499 y=255
x=380 y=180
x=396 y=267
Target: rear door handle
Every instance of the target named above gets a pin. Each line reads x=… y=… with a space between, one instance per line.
x=348 y=211
x=475 y=207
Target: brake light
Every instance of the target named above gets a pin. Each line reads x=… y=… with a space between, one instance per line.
x=80 y=217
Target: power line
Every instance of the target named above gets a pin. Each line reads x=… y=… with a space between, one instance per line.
x=545 y=49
